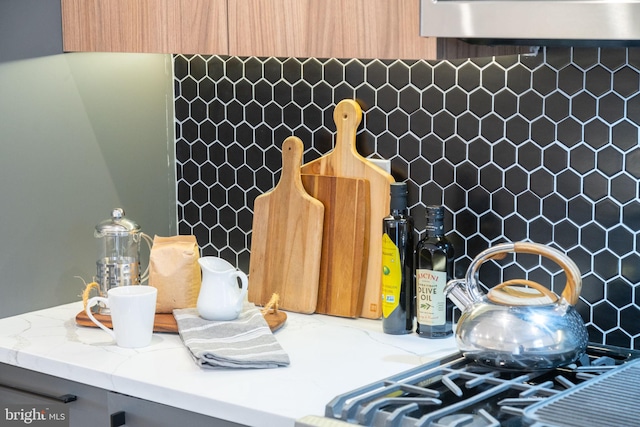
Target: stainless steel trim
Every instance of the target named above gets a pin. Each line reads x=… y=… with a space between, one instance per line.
x=531 y=19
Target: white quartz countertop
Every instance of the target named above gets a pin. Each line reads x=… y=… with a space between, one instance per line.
x=329 y=356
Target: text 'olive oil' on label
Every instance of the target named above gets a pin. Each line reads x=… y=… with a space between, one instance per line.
x=391 y=276
x=431 y=299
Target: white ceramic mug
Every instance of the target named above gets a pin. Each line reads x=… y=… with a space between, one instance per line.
x=132 y=314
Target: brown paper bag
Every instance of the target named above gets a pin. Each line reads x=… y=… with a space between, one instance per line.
x=175 y=272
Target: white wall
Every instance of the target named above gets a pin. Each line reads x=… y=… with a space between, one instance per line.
x=80 y=134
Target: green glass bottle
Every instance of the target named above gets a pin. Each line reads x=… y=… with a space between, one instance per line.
x=434 y=268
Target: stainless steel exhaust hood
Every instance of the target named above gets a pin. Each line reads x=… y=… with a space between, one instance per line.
x=546 y=22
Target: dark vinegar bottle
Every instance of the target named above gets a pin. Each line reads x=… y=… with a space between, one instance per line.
x=433 y=269
x=397 y=265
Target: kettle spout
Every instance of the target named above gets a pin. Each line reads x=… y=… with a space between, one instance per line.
x=456 y=291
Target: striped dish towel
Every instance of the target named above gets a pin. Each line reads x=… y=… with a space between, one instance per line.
x=246 y=342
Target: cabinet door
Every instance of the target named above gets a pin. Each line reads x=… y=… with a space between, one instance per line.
x=328 y=29
x=156 y=26
x=24 y=387
x=142 y=413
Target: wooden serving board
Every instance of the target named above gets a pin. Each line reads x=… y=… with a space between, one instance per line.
x=345 y=242
x=345 y=161
x=286 y=241
x=165 y=322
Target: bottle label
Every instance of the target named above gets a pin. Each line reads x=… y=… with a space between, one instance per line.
x=391 y=276
x=431 y=300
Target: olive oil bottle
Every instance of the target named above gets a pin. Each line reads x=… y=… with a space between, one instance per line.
x=434 y=268
x=397 y=265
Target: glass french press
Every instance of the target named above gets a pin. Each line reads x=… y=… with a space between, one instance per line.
x=118 y=261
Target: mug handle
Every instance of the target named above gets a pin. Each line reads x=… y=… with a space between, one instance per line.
x=245 y=282
x=91 y=303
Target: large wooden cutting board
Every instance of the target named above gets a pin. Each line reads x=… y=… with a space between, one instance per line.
x=345 y=242
x=345 y=161
x=286 y=240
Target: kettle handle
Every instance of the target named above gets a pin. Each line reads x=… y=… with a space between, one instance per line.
x=508 y=289
x=572 y=289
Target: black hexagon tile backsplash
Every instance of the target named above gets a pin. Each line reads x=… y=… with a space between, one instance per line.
x=541 y=148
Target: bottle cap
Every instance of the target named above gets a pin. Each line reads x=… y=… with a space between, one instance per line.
x=435 y=213
x=435 y=220
x=398 y=196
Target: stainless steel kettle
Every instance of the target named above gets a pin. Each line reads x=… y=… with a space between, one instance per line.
x=519 y=324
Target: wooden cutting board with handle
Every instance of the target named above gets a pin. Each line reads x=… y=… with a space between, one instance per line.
x=345 y=161
x=345 y=242
x=286 y=240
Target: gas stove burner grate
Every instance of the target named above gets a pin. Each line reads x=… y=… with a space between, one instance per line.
x=456 y=392
x=617 y=391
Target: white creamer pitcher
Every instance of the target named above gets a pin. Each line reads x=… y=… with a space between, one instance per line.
x=220 y=297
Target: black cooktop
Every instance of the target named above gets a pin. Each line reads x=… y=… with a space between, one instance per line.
x=455 y=392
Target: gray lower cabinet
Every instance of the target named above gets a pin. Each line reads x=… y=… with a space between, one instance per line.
x=92 y=406
x=142 y=413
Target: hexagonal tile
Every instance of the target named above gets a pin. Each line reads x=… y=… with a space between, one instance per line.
x=420 y=123
x=516 y=228
x=455 y=197
x=611 y=108
x=517 y=129
x=580 y=210
x=490 y=224
x=565 y=234
x=468 y=126
x=456 y=101
x=593 y=237
x=542 y=229
x=544 y=80
x=626 y=82
x=468 y=76
x=541 y=182
x=598 y=80
x=444 y=124
x=554 y=208
x=409 y=99
x=606 y=315
x=505 y=103
x=560 y=165
x=629 y=268
x=592 y=289
x=421 y=74
x=443 y=173
x=585 y=57
x=480 y=102
x=493 y=78
x=444 y=75
x=467 y=176
x=569 y=132
x=633 y=109
x=556 y=106
x=570 y=79
x=558 y=59
x=492 y=127
x=516 y=179
x=528 y=205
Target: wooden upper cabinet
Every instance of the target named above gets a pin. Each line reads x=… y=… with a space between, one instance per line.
x=156 y=26
x=385 y=29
